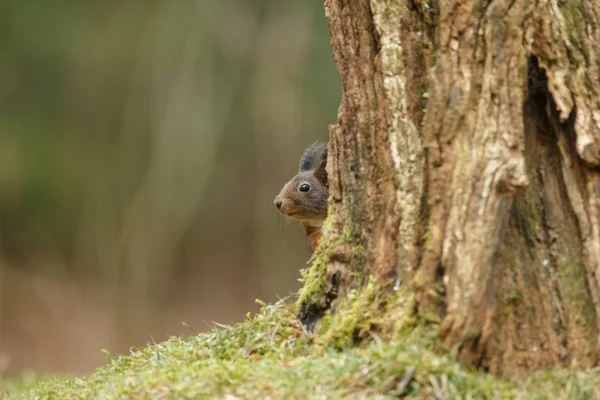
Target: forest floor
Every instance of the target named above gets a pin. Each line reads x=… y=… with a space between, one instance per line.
x=270 y=355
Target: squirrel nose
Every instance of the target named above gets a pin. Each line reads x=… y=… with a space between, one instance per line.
x=277 y=202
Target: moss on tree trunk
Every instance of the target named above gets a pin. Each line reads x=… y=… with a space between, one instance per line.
x=465 y=168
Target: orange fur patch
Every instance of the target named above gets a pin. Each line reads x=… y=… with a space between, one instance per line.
x=313 y=236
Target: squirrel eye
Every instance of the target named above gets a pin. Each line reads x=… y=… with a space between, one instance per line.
x=305 y=187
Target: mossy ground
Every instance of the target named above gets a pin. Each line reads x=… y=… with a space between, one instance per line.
x=270 y=355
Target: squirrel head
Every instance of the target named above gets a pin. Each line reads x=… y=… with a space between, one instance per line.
x=304 y=197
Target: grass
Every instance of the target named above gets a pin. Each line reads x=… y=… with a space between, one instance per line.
x=270 y=355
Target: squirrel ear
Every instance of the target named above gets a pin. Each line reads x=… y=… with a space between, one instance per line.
x=310 y=158
x=321 y=169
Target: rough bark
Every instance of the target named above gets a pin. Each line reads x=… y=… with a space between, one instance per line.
x=465 y=164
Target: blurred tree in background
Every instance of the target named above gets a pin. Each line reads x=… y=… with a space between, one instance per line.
x=141 y=145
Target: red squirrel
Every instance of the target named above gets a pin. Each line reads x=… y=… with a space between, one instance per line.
x=304 y=197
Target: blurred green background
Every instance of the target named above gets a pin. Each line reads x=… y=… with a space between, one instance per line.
x=141 y=146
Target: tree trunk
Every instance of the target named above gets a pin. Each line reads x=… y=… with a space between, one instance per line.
x=465 y=167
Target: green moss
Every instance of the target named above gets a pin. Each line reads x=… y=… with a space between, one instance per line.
x=571 y=280
x=507 y=304
x=353 y=319
x=271 y=356
x=315 y=278
x=432 y=52
x=574 y=21
x=513 y=299
x=428 y=236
